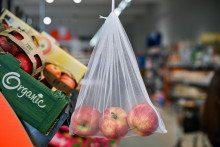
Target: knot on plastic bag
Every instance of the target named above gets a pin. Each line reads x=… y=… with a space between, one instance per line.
x=102 y=17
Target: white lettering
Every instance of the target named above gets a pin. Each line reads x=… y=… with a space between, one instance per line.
x=23 y=91
x=41 y=101
x=33 y=97
x=6 y=80
x=20 y=87
x=28 y=94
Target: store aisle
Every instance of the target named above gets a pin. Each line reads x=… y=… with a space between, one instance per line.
x=166 y=140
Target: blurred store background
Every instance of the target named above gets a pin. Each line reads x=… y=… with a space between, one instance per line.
x=177 y=45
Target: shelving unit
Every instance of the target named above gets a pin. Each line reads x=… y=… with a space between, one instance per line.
x=196 y=101
x=191 y=83
x=190 y=69
x=194 y=67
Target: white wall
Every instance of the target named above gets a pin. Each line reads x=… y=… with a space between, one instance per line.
x=176 y=20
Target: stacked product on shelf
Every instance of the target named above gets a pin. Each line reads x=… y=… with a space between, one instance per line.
x=29 y=98
x=190 y=83
x=210 y=37
x=191 y=68
x=188 y=92
x=52 y=52
x=41 y=106
x=196 y=77
x=54 y=77
x=195 y=56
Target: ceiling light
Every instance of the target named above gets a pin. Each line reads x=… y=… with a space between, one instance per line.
x=77 y=1
x=49 y=1
x=47 y=20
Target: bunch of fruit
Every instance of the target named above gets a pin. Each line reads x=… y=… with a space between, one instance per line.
x=63 y=138
x=60 y=76
x=114 y=123
x=11 y=47
x=23 y=47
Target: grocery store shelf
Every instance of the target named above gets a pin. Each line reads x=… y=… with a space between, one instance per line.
x=198 y=101
x=193 y=67
x=191 y=83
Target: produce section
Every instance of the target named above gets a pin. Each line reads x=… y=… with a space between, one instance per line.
x=145 y=74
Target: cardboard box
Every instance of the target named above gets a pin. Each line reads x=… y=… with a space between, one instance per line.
x=56 y=82
x=27 y=45
x=16 y=22
x=210 y=38
x=54 y=54
x=31 y=100
x=41 y=140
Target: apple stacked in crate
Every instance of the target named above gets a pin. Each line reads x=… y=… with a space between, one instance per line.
x=21 y=63
x=55 y=78
x=3 y=25
x=52 y=52
x=22 y=47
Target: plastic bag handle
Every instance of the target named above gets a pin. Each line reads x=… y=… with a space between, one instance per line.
x=113 y=5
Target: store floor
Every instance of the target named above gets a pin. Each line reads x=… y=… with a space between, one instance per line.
x=170 y=139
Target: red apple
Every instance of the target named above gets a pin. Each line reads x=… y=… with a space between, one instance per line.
x=68 y=81
x=85 y=120
x=37 y=58
x=8 y=47
x=5 y=25
x=26 y=63
x=36 y=76
x=43 y=83
x=55 y=70
x=113 y=123
x=18 y=36
x=46 y=84
x=3 y=39
x=142 y=119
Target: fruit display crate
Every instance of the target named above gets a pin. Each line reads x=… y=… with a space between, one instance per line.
x=30 y=99
x=39 y=139
x=28 y=135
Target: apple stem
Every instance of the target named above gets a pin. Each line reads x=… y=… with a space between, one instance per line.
x=83 y=125
x=132 y=128
x=114 y=115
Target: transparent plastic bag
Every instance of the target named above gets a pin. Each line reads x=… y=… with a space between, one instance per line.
x=113 y=101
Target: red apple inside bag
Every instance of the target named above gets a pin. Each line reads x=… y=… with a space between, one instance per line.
x=113 y=86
